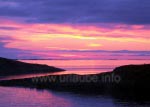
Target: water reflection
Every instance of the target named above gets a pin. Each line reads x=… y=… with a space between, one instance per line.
x=22 y=97
x=87 y=65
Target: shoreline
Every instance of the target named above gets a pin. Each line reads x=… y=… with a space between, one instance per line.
x=124 y=79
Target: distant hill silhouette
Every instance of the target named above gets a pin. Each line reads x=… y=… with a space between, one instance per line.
x=10 y=67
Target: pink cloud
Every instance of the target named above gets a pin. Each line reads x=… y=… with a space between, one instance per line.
x=43 y=37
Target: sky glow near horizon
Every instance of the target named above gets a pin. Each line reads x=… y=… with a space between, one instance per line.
x=75 y=29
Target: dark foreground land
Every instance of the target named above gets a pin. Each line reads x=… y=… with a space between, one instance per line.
x=124 y=80
x=10 y=67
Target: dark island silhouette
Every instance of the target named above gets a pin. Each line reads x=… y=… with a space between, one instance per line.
x=123 y=81
x=9 y=67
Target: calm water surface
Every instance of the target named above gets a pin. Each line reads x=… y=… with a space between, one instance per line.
x=26 y=97
x=87 y=66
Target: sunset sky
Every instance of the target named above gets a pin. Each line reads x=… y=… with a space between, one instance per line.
x=75 y=29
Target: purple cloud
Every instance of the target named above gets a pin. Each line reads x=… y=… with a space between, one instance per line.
x=77 y=11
